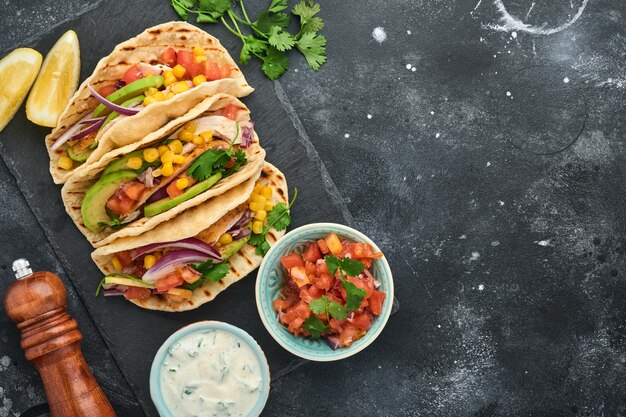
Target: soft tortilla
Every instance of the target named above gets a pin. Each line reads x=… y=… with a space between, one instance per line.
x=215 y=214
x=146 y=47
x=83 y=178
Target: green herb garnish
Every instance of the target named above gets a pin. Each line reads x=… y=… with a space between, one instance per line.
x=351 y=268
x=323 y=305
x=268 y=37
x=315 y=326
x=209 y=270
x=278 y=218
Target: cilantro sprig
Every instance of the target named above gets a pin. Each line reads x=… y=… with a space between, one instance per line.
x=211 y=271
x=268 y=38
x=216 y=160
x=323 y=305
x=351 y=268
x=315 y=327
x=278 y=218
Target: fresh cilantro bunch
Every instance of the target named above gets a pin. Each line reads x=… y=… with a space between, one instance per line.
x=268 y=37
x=278 y=218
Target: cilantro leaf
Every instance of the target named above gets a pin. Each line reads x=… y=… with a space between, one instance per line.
x=179 y=9
x=187 y=3
x=260 y=242
x=277 y=6
x=113 y=223
x=354 y=295
x=207 y=18
x=266 y=20
x=337 y=310
x=352 y=267
x=202 y=167
x=313 y=47
x=251 y=46
x=306 y=10
x=319 y=305
x=279 y=217
x=275 y=63
x=240 y=159
x=315 y=24
x=315 y=327
x=333 y=263
x=211 y=271
x=214 y=6
x=280 y=40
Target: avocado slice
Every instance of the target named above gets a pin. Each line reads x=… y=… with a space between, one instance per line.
x=78 y=156
x=93 y=208
x=127 y=281
x=127 y=103
x=129 y=91
x=165 y=204
x=232 y=248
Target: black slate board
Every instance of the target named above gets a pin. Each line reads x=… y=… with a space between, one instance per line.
x=133 y=335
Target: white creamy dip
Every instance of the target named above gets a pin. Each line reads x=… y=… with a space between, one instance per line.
x=212 y=373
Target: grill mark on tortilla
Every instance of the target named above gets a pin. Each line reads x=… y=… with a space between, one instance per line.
x=281 y=192
x=207 y=293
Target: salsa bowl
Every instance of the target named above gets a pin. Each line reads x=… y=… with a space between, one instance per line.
x=269 y=283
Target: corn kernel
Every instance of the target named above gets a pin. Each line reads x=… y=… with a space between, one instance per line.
x=156 y=172
x=259 y=199
x=200 y=59
x=150 y=91
x=167 y=169
x=197 y=51
x=149 y=261
x=225 y=239
x=257 y=227
x=197 y=140
x=169 y=95
x=134 y=162
x=180 y=87
x=182 y=183
x=116 y=263
x=207 y=136
x=179 y=71
x=175 y=146
x=257 y=189
x=199 y=79
x=251 y=198
x=269 y=204
x=65 y=163
x=169 y=78
x=162 y=149
x=191 y=126
x=266 y=192
x=167 y=157
x=260 y=215
x=149 y=100
x=254 y=206
x=185 y=136
x=178 y=159
x=150 y=155
x=159 y=96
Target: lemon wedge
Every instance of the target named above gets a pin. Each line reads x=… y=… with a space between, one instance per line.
x=56 y=83
x=18 y=70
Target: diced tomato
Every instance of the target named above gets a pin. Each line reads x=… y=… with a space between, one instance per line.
x=299 y=276
x=185 y=58
x=324 y=281
x=376 y=300
x=169 y=281
x=281 y=305
x=321 y=268
x=315 y=291
x=211 y=71
x=363 y=321
x=350 y=334
x=360 y=250
x=334 y=244
x=195 y=68
x=311 y=253
x=168 y=57
x=323 y=246
x=302 y=310
x=224 y=71
x=106 y=90
x=134 y=189
x=189 y=275
x=230 y=164
x=361 y=284
x=335 y=326
x=310 y=269
x=292 y=260
x=124 y=257
x=305 y=296
x=120 y=204
x=132 y=74
x=230 y=111
x=295 y=326
x=172 y=190
x=137 y=293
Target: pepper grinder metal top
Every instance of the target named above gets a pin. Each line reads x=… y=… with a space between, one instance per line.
x=36 y=303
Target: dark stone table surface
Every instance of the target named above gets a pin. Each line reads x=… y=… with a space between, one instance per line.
x=481 y=144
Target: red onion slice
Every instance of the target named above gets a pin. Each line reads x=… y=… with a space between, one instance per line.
x=159 y=194
x=333 y=342
x=115 y=107
x=69 y=133
x=175 y=259
x=93 y=128
x=112 y=292
x=247 y=135
x=190 y=243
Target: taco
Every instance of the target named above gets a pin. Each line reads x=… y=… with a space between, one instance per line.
x=154 y=77
x=196 y=157
x=187 y=261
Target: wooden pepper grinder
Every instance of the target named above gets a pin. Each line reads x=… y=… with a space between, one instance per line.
x=36 y=302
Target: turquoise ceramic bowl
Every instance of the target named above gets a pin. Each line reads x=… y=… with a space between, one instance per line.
x=199 y=327
x=269 y=281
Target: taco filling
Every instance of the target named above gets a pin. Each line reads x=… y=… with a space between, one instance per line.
x=140 y=86
x=174 y=269
x=157 y=178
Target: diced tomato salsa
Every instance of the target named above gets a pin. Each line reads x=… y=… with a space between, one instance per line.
x=308 y=278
